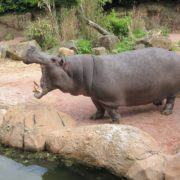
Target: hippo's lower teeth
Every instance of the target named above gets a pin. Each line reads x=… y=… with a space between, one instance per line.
x=36 y=88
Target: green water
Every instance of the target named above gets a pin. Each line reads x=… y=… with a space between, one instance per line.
x=12 y=170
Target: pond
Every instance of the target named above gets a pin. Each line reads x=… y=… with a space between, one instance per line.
x=12 y=170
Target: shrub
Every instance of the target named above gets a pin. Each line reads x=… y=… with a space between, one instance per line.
x=119 y=26
x=25 y=5
x=178 y=43
x=17 y=6
x=165 y=31
x=125 y=45
x=84 y=46
x=68 y=23
x=41 y=31
x=139 y=33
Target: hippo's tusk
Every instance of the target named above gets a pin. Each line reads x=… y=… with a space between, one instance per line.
x=36 y=87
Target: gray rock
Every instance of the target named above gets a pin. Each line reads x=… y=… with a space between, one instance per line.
x=17 y=51
x=71 y=45
x=100 y=51
x=161 y=42
x=3 y=49
x=139 y=46
x=108 y=41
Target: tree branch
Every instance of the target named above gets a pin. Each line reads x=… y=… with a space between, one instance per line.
x=91 y=23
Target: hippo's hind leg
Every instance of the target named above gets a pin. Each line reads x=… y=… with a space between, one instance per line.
x=114 y=114
x=100 y=110
x=169 y=105
x=158 y=103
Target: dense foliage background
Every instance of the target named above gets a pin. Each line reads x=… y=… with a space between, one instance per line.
x=25 y=5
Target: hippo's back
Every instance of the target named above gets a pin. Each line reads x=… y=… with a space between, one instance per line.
x=136 y=77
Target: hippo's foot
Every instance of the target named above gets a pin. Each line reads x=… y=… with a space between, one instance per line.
x=158 y=103
x=116 y=120
x=115 y=116
x=166 y=111
x=97 y=115
x=168 y=108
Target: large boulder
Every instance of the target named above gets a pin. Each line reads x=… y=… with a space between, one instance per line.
x=147 y=169
x=100 y=51
x=155 y=40
x=17 y=51
x=172 y=167
x=3 y=49
x=66 y=52
x=161 y=42
x=108 y=41
x=114 y=147
x=27 y=126
x=1 y=117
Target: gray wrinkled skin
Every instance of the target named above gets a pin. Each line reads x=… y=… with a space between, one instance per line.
x=132 y=78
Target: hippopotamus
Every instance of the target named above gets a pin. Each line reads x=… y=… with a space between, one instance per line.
x=137 y=77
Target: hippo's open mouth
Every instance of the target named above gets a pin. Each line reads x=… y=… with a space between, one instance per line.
x=40 y=91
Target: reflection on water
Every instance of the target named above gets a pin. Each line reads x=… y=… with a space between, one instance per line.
x=11 y=170
x=78 y=173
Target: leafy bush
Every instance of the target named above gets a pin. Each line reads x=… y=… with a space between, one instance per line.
x=139 y=33
x=165 y=31
x=178 y=43
x=119 y=26
x=84 y=46
x=41 y=31
x=25 y=5
x=125 y=45
x=17 y=6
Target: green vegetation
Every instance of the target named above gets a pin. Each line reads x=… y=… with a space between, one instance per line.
x=179 y=43
x=119 y=26
x=126 y=44
x=41 y=31
x=17 y=6
x=84 y=46
x=26 y=5
x=139 y=33
x=165 y=31
x=64 y=22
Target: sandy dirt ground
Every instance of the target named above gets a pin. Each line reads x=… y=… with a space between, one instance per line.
x=16 y=85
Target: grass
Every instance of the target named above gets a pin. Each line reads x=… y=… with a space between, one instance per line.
x=139 y=33
x=165 y=31
x=125 y=45
x=84 y=46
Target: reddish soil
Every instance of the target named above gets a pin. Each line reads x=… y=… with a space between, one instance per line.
x=174 y=37
x=16 y=84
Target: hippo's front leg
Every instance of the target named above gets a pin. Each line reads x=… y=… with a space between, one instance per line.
x=100 y=110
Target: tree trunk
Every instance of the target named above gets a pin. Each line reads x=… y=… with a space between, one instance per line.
x=92 y=24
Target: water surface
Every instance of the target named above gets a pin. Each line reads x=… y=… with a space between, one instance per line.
x=12 y=170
